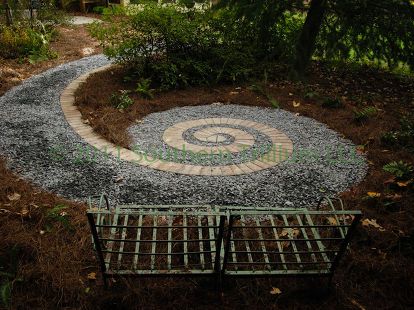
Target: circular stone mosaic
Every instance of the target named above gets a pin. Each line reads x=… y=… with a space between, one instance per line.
x=218 y=139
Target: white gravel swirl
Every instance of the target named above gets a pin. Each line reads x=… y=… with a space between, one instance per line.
x=41 y=146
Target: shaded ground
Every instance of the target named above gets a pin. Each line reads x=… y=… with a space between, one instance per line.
x=56 y=263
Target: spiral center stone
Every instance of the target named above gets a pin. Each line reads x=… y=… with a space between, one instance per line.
x=216 y=138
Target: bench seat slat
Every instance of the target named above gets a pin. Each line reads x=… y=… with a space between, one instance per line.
x=262 y=244
x=138 y=243
x=169 y=243
x=233 y=248
x=111 y=243
x=121 y=245
x=279 y=245
x=246 y=243
x=293 y=242
x=317 y=238
x=305 y=236
x=153 y=244
x=185 y=237
x=211 y=230
x=200 y=236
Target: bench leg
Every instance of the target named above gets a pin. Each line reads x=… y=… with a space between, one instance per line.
x=105 y=281
x=219 y=284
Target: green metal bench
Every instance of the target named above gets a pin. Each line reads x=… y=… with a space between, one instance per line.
x=219 y=241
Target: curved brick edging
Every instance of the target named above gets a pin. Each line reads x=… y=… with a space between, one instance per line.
x=173 y=136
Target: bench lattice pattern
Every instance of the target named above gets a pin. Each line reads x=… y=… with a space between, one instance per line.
x=221 y=241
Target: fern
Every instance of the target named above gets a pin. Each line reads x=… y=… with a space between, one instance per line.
x=364 y=114
x=401 y=170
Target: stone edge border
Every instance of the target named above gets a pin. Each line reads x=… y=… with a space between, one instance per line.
x=86 y=132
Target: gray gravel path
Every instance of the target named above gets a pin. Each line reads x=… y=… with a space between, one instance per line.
x=41 y=146
x=83 y=20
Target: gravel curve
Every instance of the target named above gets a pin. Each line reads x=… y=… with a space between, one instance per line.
x=40 y=146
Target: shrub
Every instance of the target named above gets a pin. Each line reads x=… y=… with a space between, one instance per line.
x=176 y=48
x=20 y=41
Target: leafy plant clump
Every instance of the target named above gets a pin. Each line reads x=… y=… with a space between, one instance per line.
x=401 y=170
x=364 y=114
x=20 y=41
x=57 y=215
x=332 y=103
x=260 y=89
x=403 y=137
x=175 y=48
x=143 y=89
x=121 y=100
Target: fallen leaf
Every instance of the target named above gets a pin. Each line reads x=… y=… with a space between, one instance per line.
x=275 y=291
x=87 y=290
x=360 y=149
x=285 y=244
x=119 y=179
x=14 y=196
x=332 y=221
x=24 y=212
x=296 y=104
x=295 y=232
x=374 y=194
x=357 y=304
x=373 y=223
x=403 y=184
x=92 y=276
x=292 y=233
x=87 y=51
x=394 y=197
x=284 y=233
x=389 y=181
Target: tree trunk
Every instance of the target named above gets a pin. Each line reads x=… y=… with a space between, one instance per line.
x=8 y=11
x=306 y=43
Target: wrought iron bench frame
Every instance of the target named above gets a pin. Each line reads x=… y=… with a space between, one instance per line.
x=221 y=224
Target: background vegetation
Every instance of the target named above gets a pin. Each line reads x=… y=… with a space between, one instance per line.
x=175 y=46
x=23 y=35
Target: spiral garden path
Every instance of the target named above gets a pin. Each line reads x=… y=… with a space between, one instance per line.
x=215 y=153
